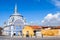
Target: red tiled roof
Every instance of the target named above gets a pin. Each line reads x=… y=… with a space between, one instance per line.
x=36 y=27
x=58 y=27
x=53 y=27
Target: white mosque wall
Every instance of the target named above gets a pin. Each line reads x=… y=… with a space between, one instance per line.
x=16 y=30
x=7 y=28
x=5 y=33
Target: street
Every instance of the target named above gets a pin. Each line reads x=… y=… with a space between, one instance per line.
x=44 y=38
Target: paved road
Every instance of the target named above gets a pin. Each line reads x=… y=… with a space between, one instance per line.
x=44 y=38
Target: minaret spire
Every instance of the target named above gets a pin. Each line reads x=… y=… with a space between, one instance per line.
x=15 y=8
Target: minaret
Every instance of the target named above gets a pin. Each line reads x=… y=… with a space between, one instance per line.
x=15 y=8
x=15 y=11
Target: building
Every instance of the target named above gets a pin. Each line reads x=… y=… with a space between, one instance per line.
x=29 y=31
x=50 y=30
x=1 y=31
x=15 y=24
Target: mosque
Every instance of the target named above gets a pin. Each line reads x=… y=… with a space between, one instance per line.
x=14 y=24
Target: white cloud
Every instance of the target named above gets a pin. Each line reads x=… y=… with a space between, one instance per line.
x=56 y=3
x=51 y=20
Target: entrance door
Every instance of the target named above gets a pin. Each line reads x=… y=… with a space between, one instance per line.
x=27 y=35
x=34 y=32
x=14 y=34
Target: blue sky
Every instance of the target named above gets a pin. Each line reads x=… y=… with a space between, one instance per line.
x=32 y=10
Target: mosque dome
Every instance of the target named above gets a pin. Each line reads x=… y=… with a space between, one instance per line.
x=16 y=14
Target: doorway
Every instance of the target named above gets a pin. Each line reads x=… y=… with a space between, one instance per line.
x=27 y=35
x=34 y=32
x=14 y=34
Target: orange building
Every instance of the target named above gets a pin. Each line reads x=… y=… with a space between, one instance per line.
x=30 y=30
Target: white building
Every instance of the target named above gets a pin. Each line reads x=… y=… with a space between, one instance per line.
x=14 y=24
